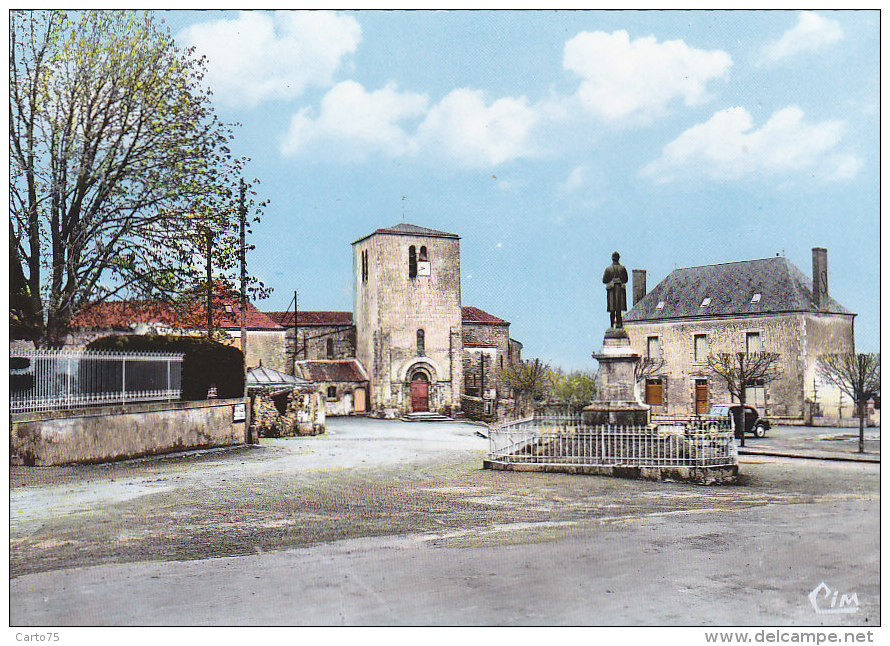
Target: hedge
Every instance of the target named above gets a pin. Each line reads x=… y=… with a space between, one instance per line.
x=205 y=363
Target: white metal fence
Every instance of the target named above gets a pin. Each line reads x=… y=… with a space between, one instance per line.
x=56 y=379
x=566 y=440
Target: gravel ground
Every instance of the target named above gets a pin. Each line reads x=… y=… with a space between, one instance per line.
x=364 y=478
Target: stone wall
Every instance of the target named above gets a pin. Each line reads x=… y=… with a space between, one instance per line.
x=492 y=336
x=109 y=433
x=286 y=413
x=264 y=347
x=312 y=342
x=797 y=340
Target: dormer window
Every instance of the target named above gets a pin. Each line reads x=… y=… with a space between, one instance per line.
x=706 y=302
x=755 y=298
x=660 y=305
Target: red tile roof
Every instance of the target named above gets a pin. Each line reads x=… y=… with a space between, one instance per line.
x=332 y=370
x=475 y=315
x=123 y=314
x=311 y=319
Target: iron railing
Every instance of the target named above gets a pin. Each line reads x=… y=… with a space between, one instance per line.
x=566 y=440
x=57 y=379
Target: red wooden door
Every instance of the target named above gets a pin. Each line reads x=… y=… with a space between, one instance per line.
x=701 y=396
x=420 y=395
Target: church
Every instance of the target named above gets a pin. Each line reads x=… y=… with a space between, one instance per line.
x=409 y=345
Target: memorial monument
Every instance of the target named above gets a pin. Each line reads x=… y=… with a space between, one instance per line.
x=616 y=403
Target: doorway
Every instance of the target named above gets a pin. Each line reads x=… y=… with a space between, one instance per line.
x=420 y=393
x=701 y=396
x=360 y=400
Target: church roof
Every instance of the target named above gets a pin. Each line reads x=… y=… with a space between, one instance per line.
x=475 y=315
x=311 y=319
x=404 y=229
x=730 y=289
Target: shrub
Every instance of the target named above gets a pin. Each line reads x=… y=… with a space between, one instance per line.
x=205 y=363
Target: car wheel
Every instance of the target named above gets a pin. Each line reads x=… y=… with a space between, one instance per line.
x=759 y=431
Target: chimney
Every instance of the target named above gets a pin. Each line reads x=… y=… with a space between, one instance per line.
x=639 y=284
x=820 y=278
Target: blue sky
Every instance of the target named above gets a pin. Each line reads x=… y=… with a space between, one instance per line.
x=547 y=140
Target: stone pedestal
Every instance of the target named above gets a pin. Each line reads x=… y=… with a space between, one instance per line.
x=616 y=404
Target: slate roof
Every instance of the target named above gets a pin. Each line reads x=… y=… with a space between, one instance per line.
x=321 y=371
x=731 y=287
x=404 y=229
x=311 y=319
x=123 y=314
x=475 y=315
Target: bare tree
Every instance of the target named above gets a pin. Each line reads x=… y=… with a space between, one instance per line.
x=740 y=370
x=858 y=376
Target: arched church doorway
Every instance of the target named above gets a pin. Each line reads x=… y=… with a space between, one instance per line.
x=420 y=392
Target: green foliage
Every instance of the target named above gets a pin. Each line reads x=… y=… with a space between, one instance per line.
x=205 y=363
x=575 y=389
x=120 y=170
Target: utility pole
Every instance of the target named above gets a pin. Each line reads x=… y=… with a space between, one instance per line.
x=209 y=283
x=242 y=217
x=296 y=337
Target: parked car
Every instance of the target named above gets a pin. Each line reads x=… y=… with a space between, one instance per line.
x=754 y=423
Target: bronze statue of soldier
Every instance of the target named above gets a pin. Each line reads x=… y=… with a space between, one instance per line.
x=615 y=278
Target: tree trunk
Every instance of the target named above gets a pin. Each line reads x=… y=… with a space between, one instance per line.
x=862 y=427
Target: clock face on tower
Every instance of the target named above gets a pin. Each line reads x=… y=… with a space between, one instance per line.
x=423 y=268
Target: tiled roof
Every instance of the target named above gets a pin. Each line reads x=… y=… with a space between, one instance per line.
x=475 y=315
x=731 y=288
x=404 y=229
x=123 y=314
x=332 y=370
x=311 y=319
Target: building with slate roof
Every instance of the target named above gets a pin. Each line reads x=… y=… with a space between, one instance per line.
x=755 y=305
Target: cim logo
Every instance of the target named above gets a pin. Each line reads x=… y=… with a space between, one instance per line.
x=825 y=601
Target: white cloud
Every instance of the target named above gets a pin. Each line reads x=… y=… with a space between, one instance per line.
x=574 y=181
x=623 y=78
x=811 y=32
x=358 y=120
x=461 y=127
x=474 y=134
x=261 y=56
x=728 y=147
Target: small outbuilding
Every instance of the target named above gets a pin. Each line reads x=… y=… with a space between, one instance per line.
x=342 y=382
x=283 y=405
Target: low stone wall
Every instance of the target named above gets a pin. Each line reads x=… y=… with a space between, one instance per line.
x=108 y=433
x=697 y=475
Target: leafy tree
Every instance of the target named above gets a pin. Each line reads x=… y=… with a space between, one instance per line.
x=740 y=370
x=120 y=172
x=529 y=381
x=574 y=390
x=858 y=376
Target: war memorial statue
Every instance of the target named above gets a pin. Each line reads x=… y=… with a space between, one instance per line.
x=615 y=278
x=617 y=402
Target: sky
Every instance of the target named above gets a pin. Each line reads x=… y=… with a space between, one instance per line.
x=548 y=140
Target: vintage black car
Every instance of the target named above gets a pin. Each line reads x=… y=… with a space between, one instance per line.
x=754 y=423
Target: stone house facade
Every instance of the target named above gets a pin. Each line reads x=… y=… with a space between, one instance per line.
x=319 y=335
x=752 y=306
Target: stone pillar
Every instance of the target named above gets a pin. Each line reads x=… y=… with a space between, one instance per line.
x=616 y=402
